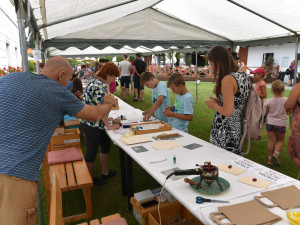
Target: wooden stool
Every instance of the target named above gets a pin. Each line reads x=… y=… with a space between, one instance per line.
x=65 y=174
x=110 y=218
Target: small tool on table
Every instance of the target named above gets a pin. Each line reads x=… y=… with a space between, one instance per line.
x=200 y=200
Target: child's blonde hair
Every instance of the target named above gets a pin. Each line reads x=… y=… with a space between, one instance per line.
x=277 y=87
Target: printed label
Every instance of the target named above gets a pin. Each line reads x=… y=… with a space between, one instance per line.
x=71 y=141
x=244 y=163
x=137 y=215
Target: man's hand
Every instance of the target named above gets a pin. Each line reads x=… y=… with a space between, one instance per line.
x=146 y=112
x=110 y=119
x=109 y=98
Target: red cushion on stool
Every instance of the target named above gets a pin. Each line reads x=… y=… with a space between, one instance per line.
x=120 y=221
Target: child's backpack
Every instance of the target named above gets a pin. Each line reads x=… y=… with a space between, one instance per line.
x=254 y=118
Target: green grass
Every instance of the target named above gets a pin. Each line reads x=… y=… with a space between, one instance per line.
x=108 y=199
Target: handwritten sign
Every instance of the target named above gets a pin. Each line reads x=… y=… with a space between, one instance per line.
x=244 y=163
x=273 y=176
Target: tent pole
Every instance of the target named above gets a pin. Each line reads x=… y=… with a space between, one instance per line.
x=196 y=76
x=37 y=49
x=296 y=61
x=22 y=35
x=172 y=61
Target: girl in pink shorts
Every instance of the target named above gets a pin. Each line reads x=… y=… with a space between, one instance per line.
x=276 y=122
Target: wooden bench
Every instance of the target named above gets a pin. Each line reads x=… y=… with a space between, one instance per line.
x=70 y=176
x=56 y=217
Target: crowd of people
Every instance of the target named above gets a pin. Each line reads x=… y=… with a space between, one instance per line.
x=45 y=100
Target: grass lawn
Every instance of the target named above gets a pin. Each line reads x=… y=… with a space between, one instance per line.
x=107 y=199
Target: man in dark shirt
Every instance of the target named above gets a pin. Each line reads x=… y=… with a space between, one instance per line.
x=139 y=66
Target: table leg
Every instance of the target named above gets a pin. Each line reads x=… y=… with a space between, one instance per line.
x=88 y=201
x=129 y=179
x=123 y=171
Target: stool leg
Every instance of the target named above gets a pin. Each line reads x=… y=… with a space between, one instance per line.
x=88 y=201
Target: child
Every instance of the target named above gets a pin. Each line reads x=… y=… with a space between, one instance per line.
x=77 y=89
x=276 y=125
x=160 y=96
x=260 y=86
x=182 y=111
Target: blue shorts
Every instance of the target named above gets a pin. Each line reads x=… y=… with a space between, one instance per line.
x=276 y=129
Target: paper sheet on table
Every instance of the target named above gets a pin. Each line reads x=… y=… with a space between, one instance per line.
x=256 y=182
x=135 y=140
x=165 y=145
x=231 y=169
x=156 y=158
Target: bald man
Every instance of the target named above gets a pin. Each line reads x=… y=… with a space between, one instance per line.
x=32 y=105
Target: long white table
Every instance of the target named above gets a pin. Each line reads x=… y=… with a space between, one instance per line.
x=187 y=159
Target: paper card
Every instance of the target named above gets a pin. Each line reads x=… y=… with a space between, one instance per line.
x=254 y=181
x=136 y=139
x=165 y=145
x=244 y=163
x=231 y=169
x=173 y=177
x=193 y=146
x=139 y=149
x=273 y=176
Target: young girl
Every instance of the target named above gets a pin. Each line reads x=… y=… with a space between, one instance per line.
x=77 y=88
x=276 y=125
x=261 y=87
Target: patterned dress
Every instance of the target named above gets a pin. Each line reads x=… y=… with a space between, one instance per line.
x=294 y=139
x=227 y=132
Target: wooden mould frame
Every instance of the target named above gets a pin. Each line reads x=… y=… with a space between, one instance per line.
x=166 y=127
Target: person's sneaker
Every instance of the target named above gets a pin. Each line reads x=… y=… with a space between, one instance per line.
x=275 y=158
x=135 y=100
x=270 y=161
x=110 y=174
x=98 y=181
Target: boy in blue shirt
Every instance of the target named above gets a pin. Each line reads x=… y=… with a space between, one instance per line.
x=160 y=96
x=182 y=111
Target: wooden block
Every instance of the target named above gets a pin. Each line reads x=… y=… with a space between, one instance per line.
x=110 y=218
x=59 y=171
x=167 y=135
x=83 y=223
x=95 y=222
x=82 y=174
x=70 y=176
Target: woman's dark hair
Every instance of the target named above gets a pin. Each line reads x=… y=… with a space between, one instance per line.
x=223 y=65
x=108 y=68
x=77 y=85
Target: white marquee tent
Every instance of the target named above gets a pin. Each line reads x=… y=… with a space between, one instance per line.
x=164 y=23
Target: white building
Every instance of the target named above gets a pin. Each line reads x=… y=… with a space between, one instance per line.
x=282 y=55
x=9 y=35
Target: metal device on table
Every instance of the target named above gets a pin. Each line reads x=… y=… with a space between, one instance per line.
x=208 y=173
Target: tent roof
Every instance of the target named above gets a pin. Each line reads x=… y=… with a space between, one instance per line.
x=166 y=23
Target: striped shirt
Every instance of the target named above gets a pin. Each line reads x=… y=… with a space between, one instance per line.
x=31 y=108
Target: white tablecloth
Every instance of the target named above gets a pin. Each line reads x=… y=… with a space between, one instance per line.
x=187 y=159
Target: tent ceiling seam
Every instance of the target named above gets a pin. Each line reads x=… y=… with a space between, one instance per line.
x=43 y=14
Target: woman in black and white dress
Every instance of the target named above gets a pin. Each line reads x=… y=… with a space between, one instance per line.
x=232 y=90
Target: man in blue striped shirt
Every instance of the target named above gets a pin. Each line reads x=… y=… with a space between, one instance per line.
x=32 y=105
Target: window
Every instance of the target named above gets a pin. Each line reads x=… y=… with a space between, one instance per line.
x=266 y=56
x=8 y=54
